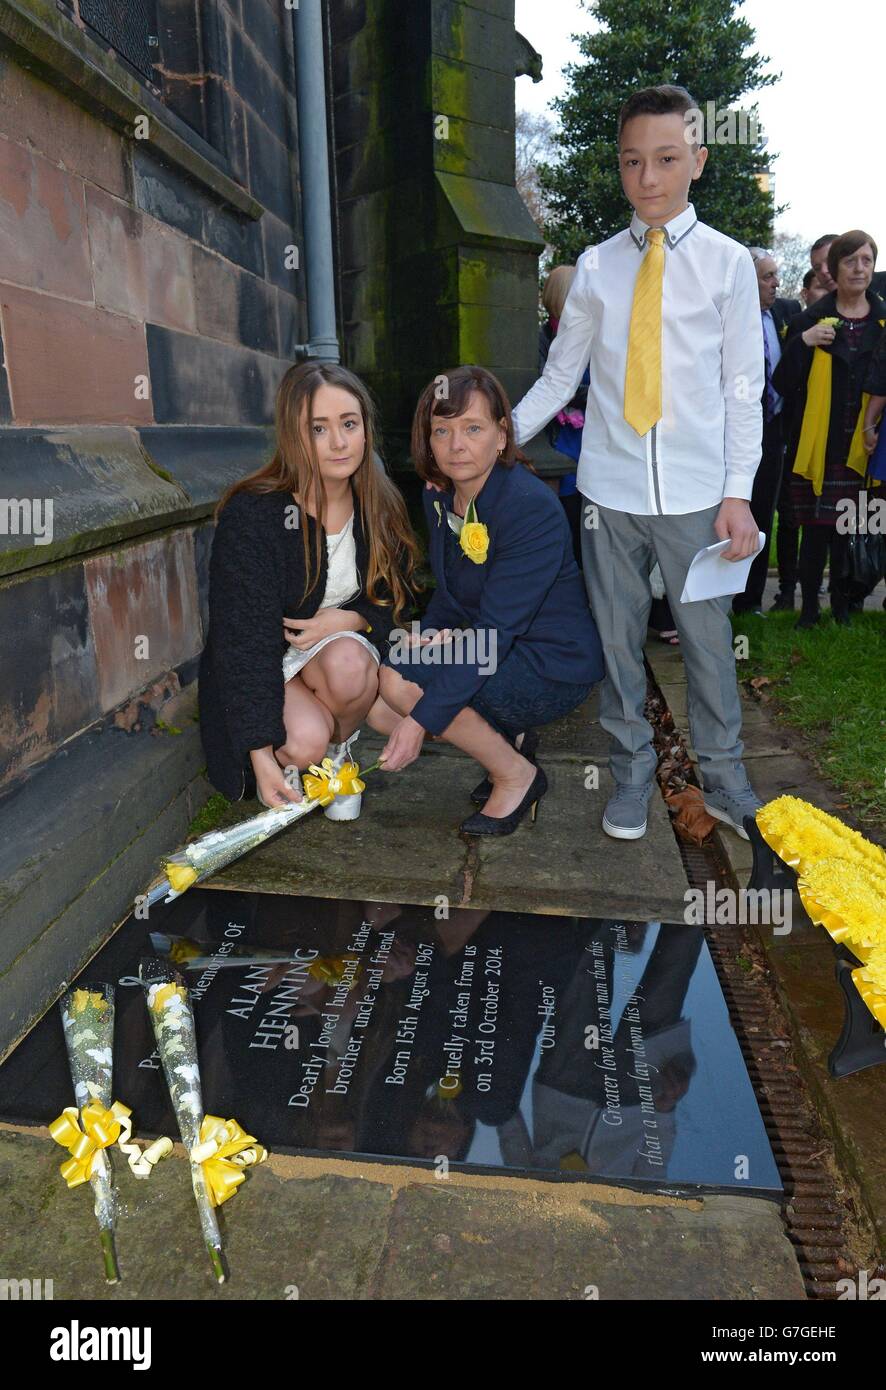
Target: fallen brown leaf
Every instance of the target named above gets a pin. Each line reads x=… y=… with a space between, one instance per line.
x=691 y=820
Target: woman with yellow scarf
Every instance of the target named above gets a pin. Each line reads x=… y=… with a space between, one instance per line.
x=821 y=376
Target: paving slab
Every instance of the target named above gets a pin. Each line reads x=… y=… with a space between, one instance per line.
x=768 y=738
x=565 y=863
x=310 y=1229
x=403 y=848
x=320 y=1237
x=406 y=847
x=458 y=1243
x=578 y=734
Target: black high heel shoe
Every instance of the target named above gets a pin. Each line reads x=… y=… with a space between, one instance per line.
x=480 y=824
x=528 y=748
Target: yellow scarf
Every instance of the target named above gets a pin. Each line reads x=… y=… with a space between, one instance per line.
x=810 y=459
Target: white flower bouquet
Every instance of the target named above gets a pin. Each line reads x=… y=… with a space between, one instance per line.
x=219 y=1150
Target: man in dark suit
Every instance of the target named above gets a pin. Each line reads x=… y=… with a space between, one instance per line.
x=775 y=314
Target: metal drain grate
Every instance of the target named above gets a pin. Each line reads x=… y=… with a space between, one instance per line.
x=814 y=1214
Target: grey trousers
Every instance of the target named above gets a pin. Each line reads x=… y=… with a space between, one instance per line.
x=618 y=553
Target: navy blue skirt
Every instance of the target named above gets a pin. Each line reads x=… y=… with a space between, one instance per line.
x=514 y=698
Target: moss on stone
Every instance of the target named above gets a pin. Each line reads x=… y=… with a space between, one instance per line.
x=210 y=816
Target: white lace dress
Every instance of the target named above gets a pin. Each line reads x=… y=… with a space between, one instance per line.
x=341 y=586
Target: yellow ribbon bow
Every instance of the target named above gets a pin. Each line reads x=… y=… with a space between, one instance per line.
x=225 y=1149
x=101 y=1129
x=324 y=783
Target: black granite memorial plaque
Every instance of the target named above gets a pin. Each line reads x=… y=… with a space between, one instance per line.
x=560 y=1046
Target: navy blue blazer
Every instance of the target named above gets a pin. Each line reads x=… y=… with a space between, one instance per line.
x=528 y=589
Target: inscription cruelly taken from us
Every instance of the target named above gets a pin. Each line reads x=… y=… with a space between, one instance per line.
x=559 y=1046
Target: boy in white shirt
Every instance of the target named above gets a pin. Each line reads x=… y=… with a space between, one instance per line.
x=669 y=324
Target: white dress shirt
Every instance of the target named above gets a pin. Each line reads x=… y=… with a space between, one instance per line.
x=707 y=444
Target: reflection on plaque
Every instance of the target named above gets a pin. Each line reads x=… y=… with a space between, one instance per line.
x=560 y=1046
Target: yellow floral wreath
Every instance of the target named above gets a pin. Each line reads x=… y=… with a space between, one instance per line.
x=841 y=880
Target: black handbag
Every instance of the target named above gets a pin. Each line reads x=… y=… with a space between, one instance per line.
x=863 y=562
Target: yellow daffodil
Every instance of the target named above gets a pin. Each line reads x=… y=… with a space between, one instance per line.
x=164 y=994
x=83 y=999
x=184 y=950
x=181 y=876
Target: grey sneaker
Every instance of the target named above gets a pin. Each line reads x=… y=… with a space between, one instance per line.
x=626 y=811
x=732 y=807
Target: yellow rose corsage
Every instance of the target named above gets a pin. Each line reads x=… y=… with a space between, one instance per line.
x=473 y=536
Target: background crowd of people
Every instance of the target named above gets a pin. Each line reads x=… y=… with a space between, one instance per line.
x=820 y=427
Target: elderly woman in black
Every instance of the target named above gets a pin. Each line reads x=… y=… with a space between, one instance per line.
x=821 y=376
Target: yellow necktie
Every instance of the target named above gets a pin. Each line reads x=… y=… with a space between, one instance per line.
x=643 y=373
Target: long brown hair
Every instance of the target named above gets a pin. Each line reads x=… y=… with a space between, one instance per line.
x=393 y=550
x=448 y=395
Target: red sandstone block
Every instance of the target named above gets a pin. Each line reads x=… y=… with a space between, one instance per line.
x=71 y=363
x=169 y=277
x=36 y=114
x=144 y=613
x=42 y=225
x=140 y=267
x=115 y=246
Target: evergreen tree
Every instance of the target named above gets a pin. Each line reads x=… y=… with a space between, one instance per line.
x=697 y=44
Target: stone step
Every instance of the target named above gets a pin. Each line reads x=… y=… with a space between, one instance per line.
x=78 y=840
x=318 y=1228
x=406 y=846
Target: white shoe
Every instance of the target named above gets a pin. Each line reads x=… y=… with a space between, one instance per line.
x=343 y=807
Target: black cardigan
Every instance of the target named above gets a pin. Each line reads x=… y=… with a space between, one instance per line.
x=792 y=373
x=256 y=578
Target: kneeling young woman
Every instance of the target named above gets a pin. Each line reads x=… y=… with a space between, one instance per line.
x=509 y=600
x=310 y=569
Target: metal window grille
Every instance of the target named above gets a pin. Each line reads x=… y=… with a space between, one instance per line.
x=129 y=26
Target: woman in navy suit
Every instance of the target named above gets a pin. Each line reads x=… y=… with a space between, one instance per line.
x=514 y=644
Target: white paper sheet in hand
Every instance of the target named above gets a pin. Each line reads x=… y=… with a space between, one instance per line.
x=710 y=576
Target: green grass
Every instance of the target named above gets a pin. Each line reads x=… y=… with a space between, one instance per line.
x=829 y=683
